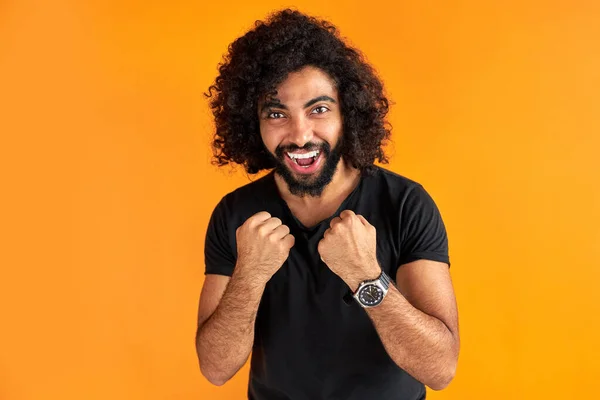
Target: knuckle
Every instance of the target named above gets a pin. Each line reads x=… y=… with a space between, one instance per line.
x=239 y=231
x=290 y=242
x=322 y=247
x=263 y=214
x=258 y=217
x=262 y=231
x=277 y=220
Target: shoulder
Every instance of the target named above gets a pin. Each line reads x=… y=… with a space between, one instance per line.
x=253 y=192
x=240 y=204
x=389 y=195
x=393 y=177
x=391 y=185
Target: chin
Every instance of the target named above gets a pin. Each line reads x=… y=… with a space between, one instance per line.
x=309 y=181
x=307 y=184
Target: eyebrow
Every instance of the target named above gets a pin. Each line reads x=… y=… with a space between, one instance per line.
x=317 y=99
x=275 y=103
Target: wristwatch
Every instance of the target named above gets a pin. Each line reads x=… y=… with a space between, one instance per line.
x=371 y=293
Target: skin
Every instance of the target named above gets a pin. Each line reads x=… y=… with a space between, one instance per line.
x=228 y=306
x=417 y=321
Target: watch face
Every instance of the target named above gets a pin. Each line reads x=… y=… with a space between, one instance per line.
x=370 y=295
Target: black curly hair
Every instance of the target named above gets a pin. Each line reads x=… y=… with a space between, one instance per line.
x=261 y=59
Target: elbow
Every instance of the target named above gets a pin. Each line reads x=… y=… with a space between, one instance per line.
x=446 y=369
x=214 y=378
x=213 y=375
x=440 y=383
x=443 y=378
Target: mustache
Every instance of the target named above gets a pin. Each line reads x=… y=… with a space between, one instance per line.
x=323 y=147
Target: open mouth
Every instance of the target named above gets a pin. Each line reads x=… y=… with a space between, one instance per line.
x=305 y=163
x=304 y=160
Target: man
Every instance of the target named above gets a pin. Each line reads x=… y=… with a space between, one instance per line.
x=332 y=271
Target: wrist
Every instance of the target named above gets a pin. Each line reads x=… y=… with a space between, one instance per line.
x=366 y=274
x=249 y=277
x=372 y=292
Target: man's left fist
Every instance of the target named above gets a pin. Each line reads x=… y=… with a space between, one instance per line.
x=349 y=248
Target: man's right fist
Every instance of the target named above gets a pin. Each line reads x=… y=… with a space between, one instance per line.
x=263 y=245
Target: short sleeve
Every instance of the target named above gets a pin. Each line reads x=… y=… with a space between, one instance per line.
x=423 y=233
x=218 y=255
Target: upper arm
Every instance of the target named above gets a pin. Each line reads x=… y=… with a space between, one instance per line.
x=423 y=275
x=427 y=285
x=212 y=291
x=219 y=260
x=422 y=229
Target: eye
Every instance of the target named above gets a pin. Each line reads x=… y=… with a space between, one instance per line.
x=320 y=110
x=275 y=115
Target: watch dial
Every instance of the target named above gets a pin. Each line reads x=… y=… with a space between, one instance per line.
x=371 y=295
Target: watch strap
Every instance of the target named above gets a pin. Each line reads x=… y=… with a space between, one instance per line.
x=385 y=280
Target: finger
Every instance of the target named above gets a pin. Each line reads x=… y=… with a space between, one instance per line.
x=270 y=224
x=259 y=217
x=335 y=221
x=281 y=231
x=347 y=214
x=289 y=241
x=319 y=249
x=363 y=220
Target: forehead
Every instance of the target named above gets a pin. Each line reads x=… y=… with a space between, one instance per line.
x=305 y=84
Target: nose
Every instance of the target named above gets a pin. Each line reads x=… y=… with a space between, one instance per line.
x=301 y=131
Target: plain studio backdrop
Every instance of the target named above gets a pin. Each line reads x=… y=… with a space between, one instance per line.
x=107 y=185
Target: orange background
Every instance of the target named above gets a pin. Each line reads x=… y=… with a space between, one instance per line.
x=107 y=185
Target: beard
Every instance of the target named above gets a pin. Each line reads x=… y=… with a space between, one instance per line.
x=313 y=184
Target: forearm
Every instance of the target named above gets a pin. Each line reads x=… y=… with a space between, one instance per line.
x=420 y=344
x=225 y=340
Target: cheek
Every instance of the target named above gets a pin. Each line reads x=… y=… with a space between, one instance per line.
x=330 y=130
x=270 y=137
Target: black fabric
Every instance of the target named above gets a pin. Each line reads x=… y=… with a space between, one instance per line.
x=309 y=344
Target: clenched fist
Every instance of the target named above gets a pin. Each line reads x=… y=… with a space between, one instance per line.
x=263 y=245
x=349 y=248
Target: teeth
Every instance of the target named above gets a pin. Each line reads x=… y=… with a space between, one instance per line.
x=306 y=155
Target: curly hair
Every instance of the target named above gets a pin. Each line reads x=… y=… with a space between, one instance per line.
x=259 y=61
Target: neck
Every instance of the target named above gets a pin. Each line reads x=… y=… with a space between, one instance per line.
x=344 y=180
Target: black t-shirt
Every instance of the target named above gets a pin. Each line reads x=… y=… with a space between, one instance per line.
x=309 y=344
